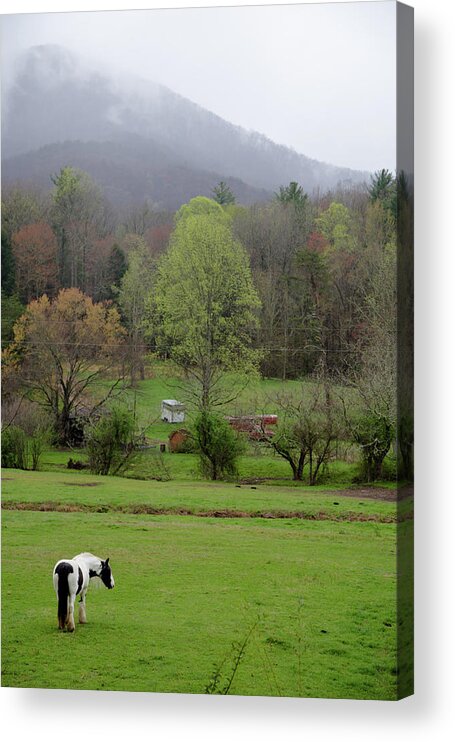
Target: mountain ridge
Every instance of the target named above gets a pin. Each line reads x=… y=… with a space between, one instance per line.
x=56 y=100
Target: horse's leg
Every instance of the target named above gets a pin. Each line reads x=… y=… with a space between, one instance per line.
x=70 y=619
x=82 y=614
x=61 y=623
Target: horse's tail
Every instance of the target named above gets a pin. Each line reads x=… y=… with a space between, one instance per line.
x=62 y=570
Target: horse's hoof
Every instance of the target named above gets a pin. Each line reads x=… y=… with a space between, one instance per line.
x=70 y=629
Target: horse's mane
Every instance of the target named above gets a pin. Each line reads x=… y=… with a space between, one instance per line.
x=89 y=555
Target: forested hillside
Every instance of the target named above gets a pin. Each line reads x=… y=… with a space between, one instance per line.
x=137 y=139
x=315 y=263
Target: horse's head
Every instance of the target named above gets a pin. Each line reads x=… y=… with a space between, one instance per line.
x=106 y=574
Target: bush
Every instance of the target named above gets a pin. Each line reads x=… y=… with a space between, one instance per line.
x=36 y=445
x=20 y=451
x=111 y=443
x=188 y=445
x=217 y=444
x=14 y=448
x=373 y=432
x=389 y=471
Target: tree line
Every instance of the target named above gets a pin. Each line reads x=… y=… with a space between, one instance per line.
x=312 y=260
x=289 y=288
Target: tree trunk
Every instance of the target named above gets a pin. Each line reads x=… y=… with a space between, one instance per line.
x=64 y=426
x=301 y=464
x=296 y=473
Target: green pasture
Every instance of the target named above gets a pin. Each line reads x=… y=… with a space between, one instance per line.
x=261 y=465
x=259 y=586
x=258 y=397
x=313 y=603
x=96 y=492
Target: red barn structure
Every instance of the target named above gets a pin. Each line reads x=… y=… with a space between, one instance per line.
x=177 y=440
x=255 y=425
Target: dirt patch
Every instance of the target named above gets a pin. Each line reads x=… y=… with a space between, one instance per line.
x=81 y=484
x=367 y=493
x=357 y=491
x=257 y=480
x=375 y=493
x=60 y=507
x=45 y=507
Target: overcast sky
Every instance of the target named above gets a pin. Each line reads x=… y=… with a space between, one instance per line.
x=319 y=78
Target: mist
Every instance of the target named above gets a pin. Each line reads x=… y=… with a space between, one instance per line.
x=319 y=79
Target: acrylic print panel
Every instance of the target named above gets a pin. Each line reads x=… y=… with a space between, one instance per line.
x=207 y=350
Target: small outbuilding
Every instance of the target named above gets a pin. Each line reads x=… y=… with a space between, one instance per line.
x=172 y=411
x=177 y=440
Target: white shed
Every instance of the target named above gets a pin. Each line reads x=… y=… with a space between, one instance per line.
x=172 y=411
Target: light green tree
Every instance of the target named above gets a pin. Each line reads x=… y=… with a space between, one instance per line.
x=77 y=215
x=205 y=304
x=335 y=224
x=135 y=289
x=21 y=206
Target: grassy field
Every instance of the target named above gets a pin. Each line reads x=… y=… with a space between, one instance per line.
x=259 y=586
x=257 y=398
x=185 y=467
x=93 y=493
x=187 y=590
x=312 y=598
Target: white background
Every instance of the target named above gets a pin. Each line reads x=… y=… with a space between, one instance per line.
x=84 y=716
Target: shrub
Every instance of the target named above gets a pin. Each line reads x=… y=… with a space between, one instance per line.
x=111 y=443
x=390 y=470
x=14 y=448
x=373 y=432
x=217 y=444
x=37 y=443
x=188 y=445
x=20 y=451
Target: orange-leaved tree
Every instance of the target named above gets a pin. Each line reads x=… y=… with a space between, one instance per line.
x=35 y=255
x=62 y=348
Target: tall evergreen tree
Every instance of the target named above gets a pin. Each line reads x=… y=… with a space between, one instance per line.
x=383 y=188
x=223 y=195
x=117 y=266
x=292 y=194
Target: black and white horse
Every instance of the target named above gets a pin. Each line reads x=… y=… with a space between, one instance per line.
x=72 y=577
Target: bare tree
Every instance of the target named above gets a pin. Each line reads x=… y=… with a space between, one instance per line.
x=372 y=419
x=135 y=290
x=310 y=427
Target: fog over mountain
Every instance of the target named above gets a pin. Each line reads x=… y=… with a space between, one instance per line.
x=139 y=140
